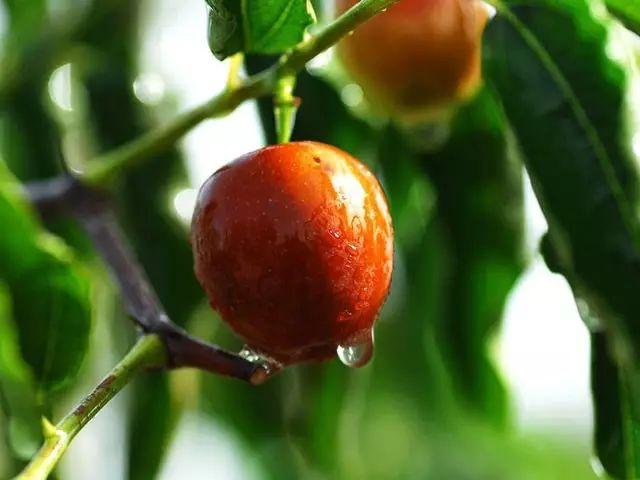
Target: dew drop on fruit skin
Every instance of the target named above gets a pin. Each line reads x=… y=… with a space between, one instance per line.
x=358 y=353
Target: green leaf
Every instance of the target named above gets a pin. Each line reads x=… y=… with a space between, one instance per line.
x=478 y=185
x=607 y=406
x=49 y=292
x=26 y=247
x=627 y=11
x=407 y=332
x=226 y=35
x=52 y=310
x=17 y=387
x=257 y=26
x=25 y=18
x=567 y=109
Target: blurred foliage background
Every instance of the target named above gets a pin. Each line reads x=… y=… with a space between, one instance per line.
x=432 y=404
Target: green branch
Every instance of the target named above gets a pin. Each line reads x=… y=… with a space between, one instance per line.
x=107 y=167
x=148 y=352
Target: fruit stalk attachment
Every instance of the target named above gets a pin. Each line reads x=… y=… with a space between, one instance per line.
x=285 y=107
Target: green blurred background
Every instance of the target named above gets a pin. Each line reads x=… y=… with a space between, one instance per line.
x=453 y=392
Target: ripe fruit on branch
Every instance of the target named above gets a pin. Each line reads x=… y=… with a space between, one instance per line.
x=293 y=245
x=419 y=58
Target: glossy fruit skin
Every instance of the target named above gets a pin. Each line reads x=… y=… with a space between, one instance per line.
x=293 y=245
x=419 y=58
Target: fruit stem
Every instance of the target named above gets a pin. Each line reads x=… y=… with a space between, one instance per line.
x=285 y=107
x=107 y=167
x=148 y=352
